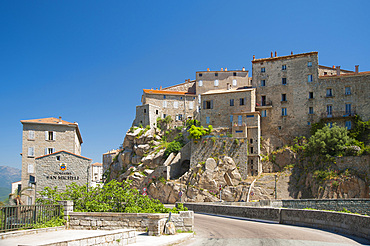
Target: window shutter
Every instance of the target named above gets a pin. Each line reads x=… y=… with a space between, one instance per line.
x=54 y=133
x=191 y=105
x=204 y=104
x=46 y=135
x=53 y=150
x=211 y=104
x=46 y=151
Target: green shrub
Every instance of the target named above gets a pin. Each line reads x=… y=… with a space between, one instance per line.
x=172 y=147
x=236 y=141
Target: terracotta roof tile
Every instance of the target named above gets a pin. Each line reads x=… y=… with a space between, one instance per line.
x=164 y=92
x=345 y=74
x=284 y=57
x=50 y=120
x=97 y=164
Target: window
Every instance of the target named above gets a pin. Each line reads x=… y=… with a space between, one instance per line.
x=279 y=127
x=164 y=116
x=283 y=81
x=30 y=168
x=263 y=70
x=325 y=73
x=165 y=104
x=175 y=104
x=216 y=74
x=179 y=117
x=283 y=112
x=31 y=151
x=348 y=125
x=251 y=150
x=310 y=110
x=164 y=97
x=329 y=92
x=329 y=124
x=58 y=158
x=144 y=111
x=200 y=82
x=263 y=82
x=241 y=101
x=200 y=75
x=191 y=105
x=231 y=102
x=208 y=104
x=348 y=108
x=49 y=135
x=240 y=120
x=234 y=74
x=156 y=112
x=231 y=118
x=329 y=110
x=309 y=78
x=181 y=98
x=251 y=140
x=283 y=67
x=308 y=123
x=283 y=97
x=49 y=151
x=309 y=64
x=347 y=91
x=207 y=120
x=263 y=113
x=234 y=82
x=216 y=82
x=31 y=134
x=310 y=95
x=252 y=164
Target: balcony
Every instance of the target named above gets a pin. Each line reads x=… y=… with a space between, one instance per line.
x=339 y=114
x=265 y=104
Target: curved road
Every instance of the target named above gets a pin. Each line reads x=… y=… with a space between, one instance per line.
x=222 y=230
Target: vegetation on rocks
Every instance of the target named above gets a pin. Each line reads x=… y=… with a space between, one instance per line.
x=112 y=197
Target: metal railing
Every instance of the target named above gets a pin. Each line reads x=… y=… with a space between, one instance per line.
x=26 y=216
x=336 y=114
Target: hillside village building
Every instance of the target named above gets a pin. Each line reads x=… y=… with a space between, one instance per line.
x=282 y=99
x=54 y=144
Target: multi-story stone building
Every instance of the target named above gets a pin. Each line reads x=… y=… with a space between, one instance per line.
x=284 y=97
x=43 y=137
x=96 y=173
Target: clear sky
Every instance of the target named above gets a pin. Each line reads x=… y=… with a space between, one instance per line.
x=88 y=61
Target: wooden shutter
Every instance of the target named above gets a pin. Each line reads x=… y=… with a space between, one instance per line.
x=53 y=150
x=54 y=133
x=204 y=104
x=46 y=135
x=211 y=104
x=46 y=151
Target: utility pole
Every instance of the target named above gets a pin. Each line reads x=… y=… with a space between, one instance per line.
x=275 y=187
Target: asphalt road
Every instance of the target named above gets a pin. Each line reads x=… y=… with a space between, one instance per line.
x=220 y=230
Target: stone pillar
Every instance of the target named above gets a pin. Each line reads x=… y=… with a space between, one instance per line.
x=67 y=207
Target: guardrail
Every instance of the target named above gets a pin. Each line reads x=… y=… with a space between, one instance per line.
x=26 y=216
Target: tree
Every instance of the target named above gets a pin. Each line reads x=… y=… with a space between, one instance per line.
x=196 y=132
x=329 y=141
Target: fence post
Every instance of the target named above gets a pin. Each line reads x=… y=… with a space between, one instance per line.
x=68 y=207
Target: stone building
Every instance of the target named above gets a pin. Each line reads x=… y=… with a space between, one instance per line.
x=282 y=99
x=42 y=137
x=60 y=169
x=108 y=158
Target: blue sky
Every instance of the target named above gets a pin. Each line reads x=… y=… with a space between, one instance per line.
x=88 y=61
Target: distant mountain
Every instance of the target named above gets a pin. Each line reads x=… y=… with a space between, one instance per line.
x=8 y=175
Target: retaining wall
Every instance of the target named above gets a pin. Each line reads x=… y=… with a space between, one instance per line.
x=153 y=223
x=351 y=224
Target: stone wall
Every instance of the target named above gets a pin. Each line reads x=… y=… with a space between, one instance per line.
x=359 y=163
x=361 y=206
x=351 y=224
x=153 y=223
x=224 y=146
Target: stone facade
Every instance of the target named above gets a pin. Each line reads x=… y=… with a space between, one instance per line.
x=45 y=136
x=108 y=158
x=60 y=169
x=96 y=174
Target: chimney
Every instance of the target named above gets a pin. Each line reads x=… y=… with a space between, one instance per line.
x=356 y=69
x=222 y=69
x=338 y=70
x=333 y=66
x=291 y=53
x=254 y=57
x=156 y=88
x=243 y=69
x=160 y=87
x=275 y=54
x=60 y=120
x=225 y=69
x=208 y=69
x=271 y=54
